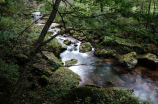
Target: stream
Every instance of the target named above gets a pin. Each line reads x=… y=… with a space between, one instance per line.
x=99 y=71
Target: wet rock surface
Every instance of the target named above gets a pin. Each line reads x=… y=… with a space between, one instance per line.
x=128 y=60
x=105 y=52
x=85 y=47
x=67 y=42
x=70 y=62
x=148 y=60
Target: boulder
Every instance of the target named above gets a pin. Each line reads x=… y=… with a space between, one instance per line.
x=54 y=46
x=85 y=47
x=128 y=45
x=51 y=56
x=105 y=52
x=67 y=42
x=148 y=60
x=128 y=60
x=70 y=62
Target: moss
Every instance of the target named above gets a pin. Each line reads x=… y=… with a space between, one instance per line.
x=93 y=95
x=43 y=80
x=51 y=57
x=54 y=46
x=67 y=42
x=37 y=27
x=123 y=44
x=70 y=62
x=85 y=47
x=65 y=77
x=32 y=95
x=22 y=56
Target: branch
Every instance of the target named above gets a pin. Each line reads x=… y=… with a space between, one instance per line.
x=59 y=33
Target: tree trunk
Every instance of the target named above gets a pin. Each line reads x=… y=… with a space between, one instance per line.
x=101 y=7
x=148 y=14
x=33 y=51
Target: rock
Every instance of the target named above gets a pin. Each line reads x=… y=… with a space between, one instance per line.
x=67 y=42
x=72 y=32
x=85 y=47
x=128 y=60
x=105 y=52
x=51 y=56
x=151 y=47
x=148 y=60
x=64 y=77
x=54 y=46
x=75 y=36
x=70 y=62
x=43 y=80
x=120 y=42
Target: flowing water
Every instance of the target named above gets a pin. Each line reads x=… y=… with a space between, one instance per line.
x=99 y=71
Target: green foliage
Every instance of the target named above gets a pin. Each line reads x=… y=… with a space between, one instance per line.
x=89 y=95
x=9 y=75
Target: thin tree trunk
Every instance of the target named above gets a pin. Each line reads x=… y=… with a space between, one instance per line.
x=101 y=7
x=33 y=51
x=148 y=14
x=142 y=7
x=154 y=9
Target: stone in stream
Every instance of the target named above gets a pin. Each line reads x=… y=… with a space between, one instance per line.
x=85 y=47
x=105 y=52
x=67 y=42
x=148 y=60
x=70 y=62
x=117 y=42
x=128 y=60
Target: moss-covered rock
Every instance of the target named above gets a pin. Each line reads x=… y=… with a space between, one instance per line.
x=54 y=46
x=65 y=77
x=43 y=80
x=85 y=47
x=105 y=52
x=148 y=60
x=70 y=62
x=51 y=56
x=125 y=43
x=67 y=42
x=128 y=60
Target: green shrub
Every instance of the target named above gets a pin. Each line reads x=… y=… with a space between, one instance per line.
x=9 y=75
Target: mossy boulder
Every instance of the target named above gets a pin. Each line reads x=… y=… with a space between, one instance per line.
x=128 y=60
x=85 y=47
x=65 y=77
x=120 y=42
x=70 y=62
x=43 y=80
x=72 y=32
x=51 y=56
x=54 y=46
x=105 y=52
x=148 y=60
x=67 y=42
